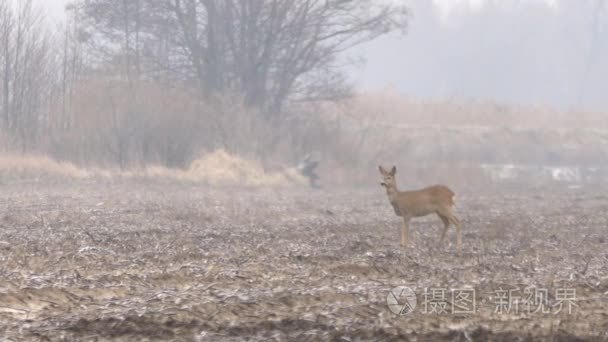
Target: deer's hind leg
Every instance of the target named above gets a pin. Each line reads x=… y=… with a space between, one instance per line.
x=448 y=213
x=446 y=226
x=456 y=222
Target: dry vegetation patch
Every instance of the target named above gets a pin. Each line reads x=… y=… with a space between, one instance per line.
x=217 y=168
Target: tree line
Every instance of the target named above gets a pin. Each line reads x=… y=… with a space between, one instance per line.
x=130 y=82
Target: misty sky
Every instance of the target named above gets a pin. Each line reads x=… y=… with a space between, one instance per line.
x=520 y=52
x=539 y=52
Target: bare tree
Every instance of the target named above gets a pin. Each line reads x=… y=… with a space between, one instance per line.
x=6 y=28
x=269 y=51
x=26 y=71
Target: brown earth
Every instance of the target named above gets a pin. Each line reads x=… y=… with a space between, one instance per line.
x=150 y=261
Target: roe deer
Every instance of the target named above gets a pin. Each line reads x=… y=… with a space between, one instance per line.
x=438 y=199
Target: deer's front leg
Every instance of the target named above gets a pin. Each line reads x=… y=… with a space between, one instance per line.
x=405 y=232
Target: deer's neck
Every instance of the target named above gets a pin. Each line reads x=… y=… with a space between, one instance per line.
x=392 y=192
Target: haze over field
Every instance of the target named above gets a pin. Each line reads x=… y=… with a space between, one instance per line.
x=533 y=52
x=291 y=170
x=518 y=52
x=100 y=94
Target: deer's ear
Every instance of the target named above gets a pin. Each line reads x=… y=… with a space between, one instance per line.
x=382 y=170
x=393 y=170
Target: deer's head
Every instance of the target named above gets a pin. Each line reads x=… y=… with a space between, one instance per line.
x=388 y=177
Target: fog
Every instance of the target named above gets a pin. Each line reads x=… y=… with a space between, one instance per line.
x=531 y=52
x=140 y=84
x=518 y=52
x=290 y=170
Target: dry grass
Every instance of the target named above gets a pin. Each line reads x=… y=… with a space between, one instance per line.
x=431 y=141
x=391 y=107
x=223 y=169
x=36 y=166
x=218 y=168
x=453 y=140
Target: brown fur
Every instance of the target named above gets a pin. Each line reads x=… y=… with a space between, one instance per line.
x=438 y=199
